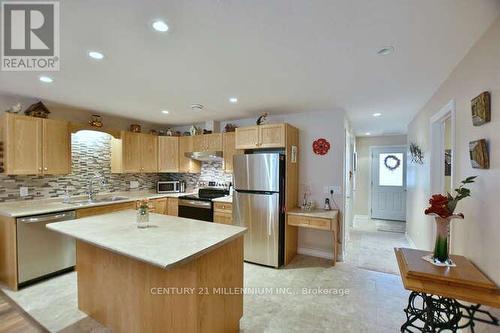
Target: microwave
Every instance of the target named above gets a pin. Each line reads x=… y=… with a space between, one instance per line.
x=173 y=186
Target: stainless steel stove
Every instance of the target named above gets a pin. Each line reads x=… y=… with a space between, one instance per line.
x=200 y=206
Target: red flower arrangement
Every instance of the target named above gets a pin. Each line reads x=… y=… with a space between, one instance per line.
x=444 y=206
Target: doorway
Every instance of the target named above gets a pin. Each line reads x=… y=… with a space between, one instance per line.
x=442 y=138
x=388 y=183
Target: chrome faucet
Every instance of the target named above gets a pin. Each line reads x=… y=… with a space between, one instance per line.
x=90 y=190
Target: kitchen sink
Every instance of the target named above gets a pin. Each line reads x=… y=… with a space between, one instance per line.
x=96 y=200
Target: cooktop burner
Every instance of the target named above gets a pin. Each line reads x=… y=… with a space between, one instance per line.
x=207 y=194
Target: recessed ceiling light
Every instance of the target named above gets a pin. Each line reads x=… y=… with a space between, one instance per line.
x=165 y=111
x=386 y=50
x=377 y=114
x=233 y=100
x=46 y=79
x=368 y=133
x=160 y=26
x=96 y=55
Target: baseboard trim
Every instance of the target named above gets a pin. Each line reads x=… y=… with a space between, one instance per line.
x=410 y=241
x=315 y=253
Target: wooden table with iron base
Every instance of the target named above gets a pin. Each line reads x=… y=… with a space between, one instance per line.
x=433 y=304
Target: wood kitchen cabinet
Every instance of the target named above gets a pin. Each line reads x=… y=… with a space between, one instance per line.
x=134 y=153
x=173 y=207
x=35 y=145
x=165 y=206
x=187 y=165
x=229 y=150
x=223 y=213
x=168 y=154
x=262 y=136
x=207 y=142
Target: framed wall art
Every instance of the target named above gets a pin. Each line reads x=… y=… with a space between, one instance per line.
x=481 y=109
x=479 y=157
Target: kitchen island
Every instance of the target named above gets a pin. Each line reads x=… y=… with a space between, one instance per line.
x=179 y=275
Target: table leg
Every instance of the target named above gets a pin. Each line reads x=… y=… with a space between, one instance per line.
x=431 y=313
x=334 y=232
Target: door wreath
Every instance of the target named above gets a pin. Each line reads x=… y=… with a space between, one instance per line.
x=391 y=162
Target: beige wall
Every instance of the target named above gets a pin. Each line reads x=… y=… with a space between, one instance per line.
x=362 y=180
x=478 y=236
x=58 y=111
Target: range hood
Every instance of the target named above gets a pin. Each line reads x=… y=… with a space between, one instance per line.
x=205 y=156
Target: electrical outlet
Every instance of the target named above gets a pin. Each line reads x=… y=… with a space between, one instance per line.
x=134 y=184
x=337 y=189
x=23 y=191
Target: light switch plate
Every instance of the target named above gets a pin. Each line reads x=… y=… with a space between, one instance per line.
x=134 y=184
x=23 y=191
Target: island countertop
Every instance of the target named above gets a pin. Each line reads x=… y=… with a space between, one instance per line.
x=168 y=242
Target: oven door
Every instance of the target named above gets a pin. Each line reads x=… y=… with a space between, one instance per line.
x=167 y=187
x=197 y=210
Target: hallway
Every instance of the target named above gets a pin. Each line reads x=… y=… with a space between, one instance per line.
x=371 y=244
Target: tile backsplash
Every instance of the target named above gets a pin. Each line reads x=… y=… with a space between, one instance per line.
x=210 y=171
x=91 y=159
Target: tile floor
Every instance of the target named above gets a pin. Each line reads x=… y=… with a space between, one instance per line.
x=309 y=295
x=372 y=249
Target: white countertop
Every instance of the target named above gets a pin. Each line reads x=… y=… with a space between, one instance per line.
x=44 y=206
x=170 y=241
x=226 y=199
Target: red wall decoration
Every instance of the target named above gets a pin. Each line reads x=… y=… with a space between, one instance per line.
x=321 y=146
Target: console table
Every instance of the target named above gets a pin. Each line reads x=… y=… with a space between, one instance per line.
x=433 y=305
x=317 y=219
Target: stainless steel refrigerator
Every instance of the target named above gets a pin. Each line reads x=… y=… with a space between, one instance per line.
x=259 y=184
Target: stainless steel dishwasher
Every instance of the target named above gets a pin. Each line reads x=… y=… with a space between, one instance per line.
x=42 y=252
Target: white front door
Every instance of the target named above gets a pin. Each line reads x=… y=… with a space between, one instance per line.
x=388 y=197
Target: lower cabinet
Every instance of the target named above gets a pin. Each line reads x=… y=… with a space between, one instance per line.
x=223 y=213
x=165 y=206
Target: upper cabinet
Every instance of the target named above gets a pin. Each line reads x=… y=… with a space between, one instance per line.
x=168 y=154
x=35 y=146
x=262 y=136
x=229 y=150
x=207 y=142
x=187 y=165
x=134 y=153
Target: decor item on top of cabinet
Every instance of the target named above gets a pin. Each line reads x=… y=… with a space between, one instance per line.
x=170 y=132
x=481 y=109
x=135 y=128
x=321 y=146
x=95 y=121
x=153 y=132
x=193 y=130
x=230 y=128
x=416 y=153
x=479 y=157
x=391 y=162
x=262 y=119
x=443 y=208
x=38 y=110
x=16 y=108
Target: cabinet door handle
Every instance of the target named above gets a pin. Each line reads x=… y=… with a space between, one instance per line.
x=40 y=169
x=45 y=169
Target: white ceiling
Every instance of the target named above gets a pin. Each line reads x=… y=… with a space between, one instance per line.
x=277 y=56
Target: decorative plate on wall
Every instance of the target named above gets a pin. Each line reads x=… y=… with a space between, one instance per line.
x=321 y=146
